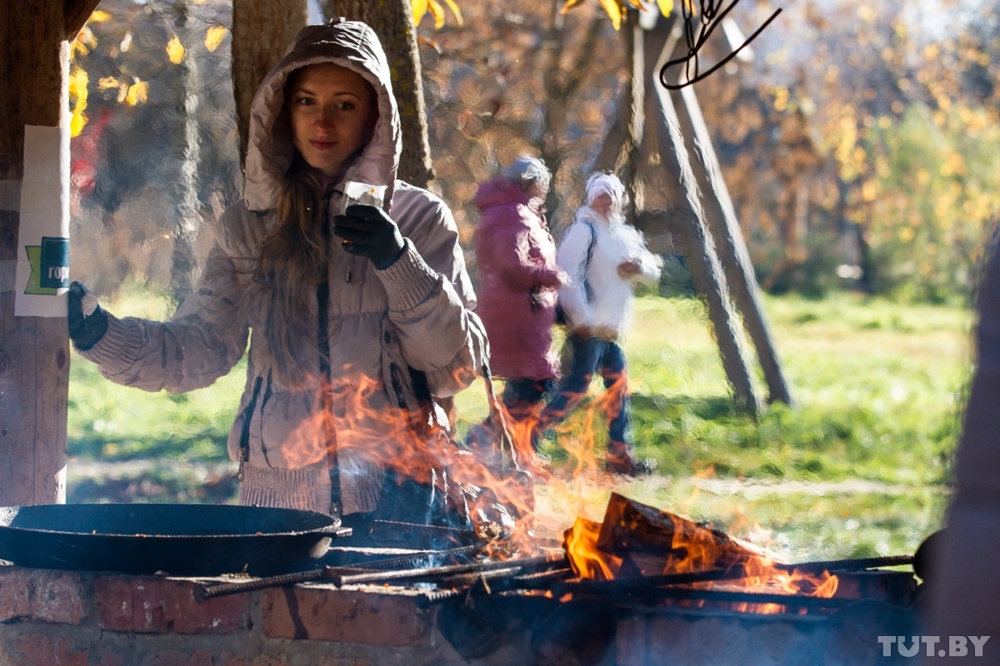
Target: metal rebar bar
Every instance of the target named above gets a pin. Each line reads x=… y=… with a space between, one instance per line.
x=408 y=561
x=427 y=599
x=856 y=564
x=430 y=573
x=208 y=591
x=203 y=592
x=795 y=600
x=627 y=585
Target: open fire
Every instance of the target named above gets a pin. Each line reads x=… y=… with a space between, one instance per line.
x=637 y=542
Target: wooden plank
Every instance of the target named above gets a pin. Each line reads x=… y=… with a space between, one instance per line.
x=725 y=229
x=34 y=352
x=77 y=13
x=706 y=269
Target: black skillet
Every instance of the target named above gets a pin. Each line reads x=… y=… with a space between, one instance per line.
x=176 y=539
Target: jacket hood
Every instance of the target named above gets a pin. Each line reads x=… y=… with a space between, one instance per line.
x=499 y=192
x=270 y=152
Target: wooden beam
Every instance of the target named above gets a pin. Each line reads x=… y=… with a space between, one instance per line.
x=34 y=351
x=686 y=200
x=725 y=228
x=77 y=12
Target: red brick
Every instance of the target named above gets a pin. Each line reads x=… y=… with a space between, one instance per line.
x=15 y=594
x=57 y=597
x=44 y=650
x=159 y=606
x=41 y=595
x=327 y=614
x=113 y=597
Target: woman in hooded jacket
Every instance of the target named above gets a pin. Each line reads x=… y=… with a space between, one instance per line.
x=360 y=314
x=605 y=258
x=519 y=278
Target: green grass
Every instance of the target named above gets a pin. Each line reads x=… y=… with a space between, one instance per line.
x=878 y=388
x=113 y=423
x=860 y=465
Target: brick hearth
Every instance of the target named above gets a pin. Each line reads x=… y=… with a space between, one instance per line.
x=84 y=619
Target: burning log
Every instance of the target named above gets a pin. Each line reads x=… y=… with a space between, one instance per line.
x=639 y=549
x=639 y=540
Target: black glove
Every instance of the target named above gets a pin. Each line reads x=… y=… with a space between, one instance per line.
x=84 y=330
x=369 y=232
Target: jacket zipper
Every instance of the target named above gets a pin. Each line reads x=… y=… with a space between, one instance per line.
x=248 y=413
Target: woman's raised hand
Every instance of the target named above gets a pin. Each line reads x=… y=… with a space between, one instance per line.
x=86 y=319
x=369 y=232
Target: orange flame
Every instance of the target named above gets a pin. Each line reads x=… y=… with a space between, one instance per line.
x=358 y=417
x=636 y=540
x=587 y=560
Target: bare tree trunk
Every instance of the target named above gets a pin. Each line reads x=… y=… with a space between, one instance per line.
x=559 y=89
x=34 y=351
x=262 y=30
x=392 y=21
x=184 y=264
x=627 y=164
x=725 y=228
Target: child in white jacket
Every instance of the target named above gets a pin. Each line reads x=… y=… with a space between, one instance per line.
x=605 y=258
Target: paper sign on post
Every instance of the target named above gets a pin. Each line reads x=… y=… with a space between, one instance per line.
x=43 y=235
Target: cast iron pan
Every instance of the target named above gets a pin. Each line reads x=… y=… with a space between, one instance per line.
x=177 y=539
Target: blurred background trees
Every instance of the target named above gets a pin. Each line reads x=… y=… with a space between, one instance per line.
x=861 y=145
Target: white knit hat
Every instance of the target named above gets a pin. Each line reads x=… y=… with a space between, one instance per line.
x=600 y=183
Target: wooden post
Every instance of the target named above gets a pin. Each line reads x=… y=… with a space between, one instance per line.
x=392 y=21
x=262 y=31
x=704 y=262
x=725 y=229
x=34 y=351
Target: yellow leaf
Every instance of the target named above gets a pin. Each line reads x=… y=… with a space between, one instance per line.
x=78 y=81
x=614 y=11
x=455 y=10
x=107 y=83
x=84 y=42
x=666 y=6
x=570 y=4
x=175 y=50
x=86 y=35
x=437 y=11
x=77 y=47
x=214 y=37
x=419 y=9
x=98 y=16
x=137 y=93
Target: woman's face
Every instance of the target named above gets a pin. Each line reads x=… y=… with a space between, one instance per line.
x=602 y=204
x=333 y=113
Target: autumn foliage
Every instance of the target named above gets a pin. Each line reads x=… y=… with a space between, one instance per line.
x=860 y=145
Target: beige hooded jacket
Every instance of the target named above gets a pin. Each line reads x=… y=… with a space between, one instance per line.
x=382 y=325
